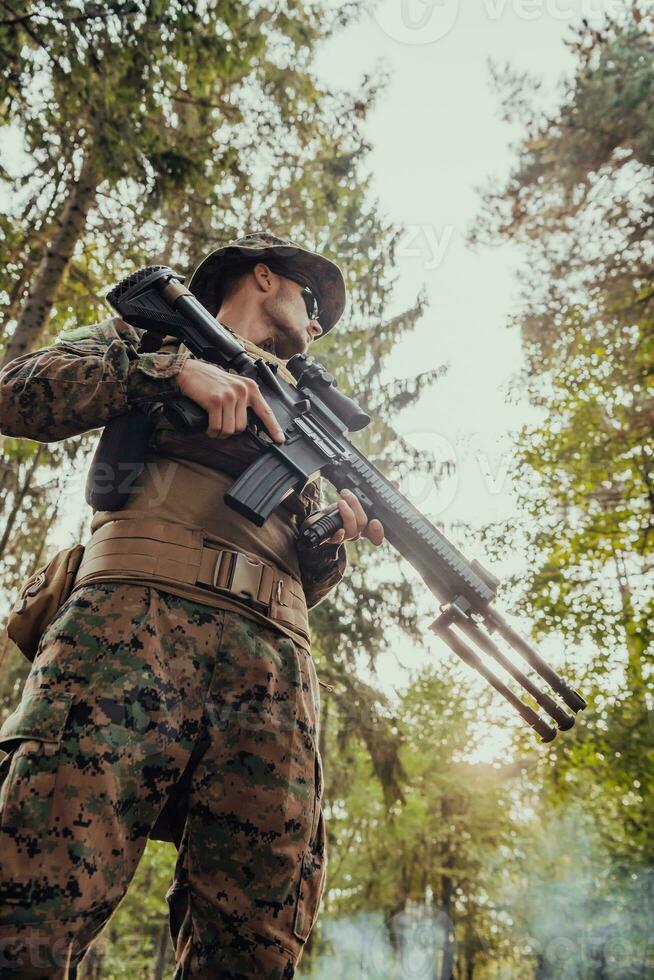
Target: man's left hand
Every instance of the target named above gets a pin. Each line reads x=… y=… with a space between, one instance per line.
x=355 y=522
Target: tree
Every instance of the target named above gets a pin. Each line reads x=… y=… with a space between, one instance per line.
x=580 y=201
x=413 y=878
x=140 y=111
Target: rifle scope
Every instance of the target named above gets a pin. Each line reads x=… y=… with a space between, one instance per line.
x=312 y=375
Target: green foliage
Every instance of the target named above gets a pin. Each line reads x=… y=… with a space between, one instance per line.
x=197 y=121
x=579 y=913
x=431 y=853
x=137 y=940
x=580 y=201
x=589 y=468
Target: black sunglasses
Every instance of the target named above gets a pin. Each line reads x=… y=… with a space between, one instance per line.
x=307 y=294
x=311 y=303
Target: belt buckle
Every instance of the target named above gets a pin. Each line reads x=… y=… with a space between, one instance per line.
x=245 y=580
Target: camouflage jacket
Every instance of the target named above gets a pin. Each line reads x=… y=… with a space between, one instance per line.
x=94 y=374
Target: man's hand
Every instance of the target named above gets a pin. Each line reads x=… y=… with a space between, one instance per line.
x=226 y=398
x=355 y=522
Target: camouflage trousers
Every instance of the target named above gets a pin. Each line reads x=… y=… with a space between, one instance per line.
x=138 y=704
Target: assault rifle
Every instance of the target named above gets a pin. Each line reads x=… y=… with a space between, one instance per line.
x=315 y=416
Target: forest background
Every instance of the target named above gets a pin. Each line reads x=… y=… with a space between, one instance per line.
x=137 y=132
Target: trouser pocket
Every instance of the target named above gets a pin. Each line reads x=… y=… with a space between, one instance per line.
x=314 y=867
x=32 y=736
x=312 y=883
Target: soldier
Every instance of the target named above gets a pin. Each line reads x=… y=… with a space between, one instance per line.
x=173 y=695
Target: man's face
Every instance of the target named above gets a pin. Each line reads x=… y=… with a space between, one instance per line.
x=293 y=329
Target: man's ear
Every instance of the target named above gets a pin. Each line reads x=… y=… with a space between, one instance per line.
x=264 y=278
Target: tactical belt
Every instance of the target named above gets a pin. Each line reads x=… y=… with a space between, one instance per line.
x=172 y=554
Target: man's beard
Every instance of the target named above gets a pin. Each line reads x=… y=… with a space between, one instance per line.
x=285 y=340
x=289 y=342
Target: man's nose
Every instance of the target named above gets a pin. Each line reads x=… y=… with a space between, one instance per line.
x=315 y=328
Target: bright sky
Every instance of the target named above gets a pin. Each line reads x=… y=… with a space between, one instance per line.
x=437 y=138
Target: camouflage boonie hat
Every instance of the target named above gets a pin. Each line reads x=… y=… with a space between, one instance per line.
x=323 y=275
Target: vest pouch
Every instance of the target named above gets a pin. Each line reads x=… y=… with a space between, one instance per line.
x=40 y=598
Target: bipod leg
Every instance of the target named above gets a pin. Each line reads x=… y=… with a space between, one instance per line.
x=442 y=626
x=483 y=640
x=495 y=621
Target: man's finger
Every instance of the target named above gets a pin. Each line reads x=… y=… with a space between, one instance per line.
x=215 y=425
x=265 y=413
x=375 y=532
x=359 y=513
x=241 y=417
x=348 y=517
x=229 y=420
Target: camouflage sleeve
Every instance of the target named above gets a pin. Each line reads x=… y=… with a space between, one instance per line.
x=321 y=568
x=90 y=376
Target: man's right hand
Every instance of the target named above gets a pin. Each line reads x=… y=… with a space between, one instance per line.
x=226 y=398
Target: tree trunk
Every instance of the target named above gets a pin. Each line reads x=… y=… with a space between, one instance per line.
x=636 y=682
x=448 y=944
x=542 y=972
x=8 y=478
x=468 y=969
x=37 y=558
x=91 y=966
x=446 y=898
x=18 y=502
x=163 y=944
x=51 y=272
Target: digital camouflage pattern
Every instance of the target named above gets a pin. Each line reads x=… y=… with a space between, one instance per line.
x=91 y=376
x=139 y=701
